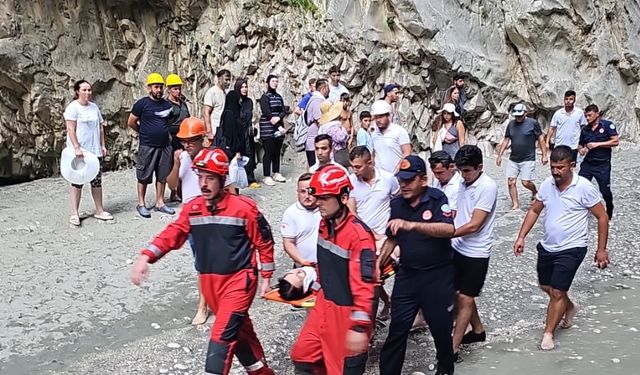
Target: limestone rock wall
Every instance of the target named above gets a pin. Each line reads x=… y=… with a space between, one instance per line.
x=510 y=50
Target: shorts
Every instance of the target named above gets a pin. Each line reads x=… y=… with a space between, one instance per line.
x=525 y=170
x=557 y=269
x=469 y=274
x=97 y=181
x=158 y=160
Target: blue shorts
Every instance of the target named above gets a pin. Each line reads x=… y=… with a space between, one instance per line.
x=557 y=269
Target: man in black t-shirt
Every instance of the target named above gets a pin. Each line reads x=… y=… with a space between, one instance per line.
x=421 y=223
x=522 y=132
x=149 y=117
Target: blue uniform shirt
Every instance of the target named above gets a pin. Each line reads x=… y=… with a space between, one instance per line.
x=419 y=251
x=602 y=133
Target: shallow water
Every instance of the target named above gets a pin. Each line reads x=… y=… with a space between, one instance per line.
x=604 y=340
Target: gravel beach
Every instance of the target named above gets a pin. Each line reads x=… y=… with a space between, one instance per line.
x=67 y=305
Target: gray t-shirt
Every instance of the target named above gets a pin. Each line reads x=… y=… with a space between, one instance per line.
x=523 y=139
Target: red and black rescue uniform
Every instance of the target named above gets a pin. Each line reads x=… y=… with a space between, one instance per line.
x=348 y=277
x=225 y=239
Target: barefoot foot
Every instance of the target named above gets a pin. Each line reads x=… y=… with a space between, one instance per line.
x=567 y=320
x=547 y=342
x=201 y=317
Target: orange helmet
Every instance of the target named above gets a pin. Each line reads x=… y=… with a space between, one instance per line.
x=214 y=161
x=191 y=127
x=330 y=180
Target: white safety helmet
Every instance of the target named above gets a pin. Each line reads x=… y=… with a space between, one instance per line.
x=380 y=107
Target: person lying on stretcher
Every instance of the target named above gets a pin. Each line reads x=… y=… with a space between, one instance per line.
x=297 y=283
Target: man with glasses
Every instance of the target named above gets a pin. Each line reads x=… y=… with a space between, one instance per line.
x=522 y=132
x=421 y=223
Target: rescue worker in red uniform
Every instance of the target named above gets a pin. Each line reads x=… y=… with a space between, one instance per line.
x=335 y=337
x=227 y=229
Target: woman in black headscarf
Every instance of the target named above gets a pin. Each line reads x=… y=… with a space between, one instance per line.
x=246 y=118
x=230 y=135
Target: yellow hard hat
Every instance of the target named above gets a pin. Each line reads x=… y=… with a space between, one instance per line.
x=155 y=79
x=173 y=80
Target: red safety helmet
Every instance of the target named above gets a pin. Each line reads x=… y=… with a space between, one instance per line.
x=214 y=161
x=330 y=180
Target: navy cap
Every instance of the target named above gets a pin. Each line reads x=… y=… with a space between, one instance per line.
x=410 y=166
x=389 y=87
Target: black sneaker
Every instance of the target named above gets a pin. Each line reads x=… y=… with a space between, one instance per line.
x=442 y=371
x=471 y=337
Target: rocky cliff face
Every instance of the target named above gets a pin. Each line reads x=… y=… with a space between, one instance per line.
x=510 y=50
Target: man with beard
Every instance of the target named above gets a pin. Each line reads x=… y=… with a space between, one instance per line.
x=214 y=100
x=421 y=224
x=567 y=199
x=179 y=112
x=391 y=96
x=227 y=231
x=299 y=226
x=390 y=141
x=149 y=118
x=336 y=334
x=566 y=124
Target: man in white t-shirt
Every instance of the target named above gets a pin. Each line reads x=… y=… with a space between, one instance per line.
x=324 y=147
x=370 y=199
x=390 y=141
x=567 y=199
x=566 y=124
x=472 y=242
x=300 y=224
x=335 y=87
x=447 y=177
x=191 y=135
x=214 y=101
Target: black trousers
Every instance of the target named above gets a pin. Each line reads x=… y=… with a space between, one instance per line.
x=601 y=171
x=271 y=159
x=433 y=292
x=311 y=158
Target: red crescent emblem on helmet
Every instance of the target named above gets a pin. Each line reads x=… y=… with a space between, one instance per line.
x=216 y=159
x=325 y=178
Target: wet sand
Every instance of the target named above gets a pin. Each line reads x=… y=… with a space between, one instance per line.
x=68 y=307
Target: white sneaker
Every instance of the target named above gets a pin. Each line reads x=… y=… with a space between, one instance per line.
x=279 y=178
x=268 y=181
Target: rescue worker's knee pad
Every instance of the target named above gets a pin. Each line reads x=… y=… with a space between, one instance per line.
x=306 y=368
x=216 y=357
x=233 y=326
x=355 y=365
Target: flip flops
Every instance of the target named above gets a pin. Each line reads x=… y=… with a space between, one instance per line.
x=74 y=220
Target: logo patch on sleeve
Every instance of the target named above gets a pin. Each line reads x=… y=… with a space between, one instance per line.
x=612 y=126
x=426 y=215
x=601 y=130
x=446 y=210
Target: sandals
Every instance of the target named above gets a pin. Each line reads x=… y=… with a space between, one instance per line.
x=104 y=215
x=74 y=220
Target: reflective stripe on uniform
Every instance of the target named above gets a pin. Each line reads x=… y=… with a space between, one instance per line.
x=225 y=220
x=360 y=315
x=335 y=249
x=268 y=266
x=155 y=250
x=254 y=367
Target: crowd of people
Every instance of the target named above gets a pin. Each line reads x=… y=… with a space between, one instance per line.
x=367 y=203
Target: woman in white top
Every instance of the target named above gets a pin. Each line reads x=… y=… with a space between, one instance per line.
x=85 y=132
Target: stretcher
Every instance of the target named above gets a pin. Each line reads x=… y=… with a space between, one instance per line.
x=305 y=302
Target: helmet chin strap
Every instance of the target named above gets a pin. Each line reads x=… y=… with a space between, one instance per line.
x=331 y=221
